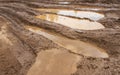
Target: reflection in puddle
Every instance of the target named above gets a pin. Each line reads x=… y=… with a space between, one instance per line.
x=81 y=14
x=76 y=46
x=54 y=62
x=64 y=2
x=71 y=22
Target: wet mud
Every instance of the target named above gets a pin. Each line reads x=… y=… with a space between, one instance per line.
x=59 y=37
x=71 y=22
x=75 y=46
x=51 y=62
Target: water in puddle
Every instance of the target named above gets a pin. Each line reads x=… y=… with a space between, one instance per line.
x=80 y=14
x=75 y=46
x=71 y=22
x=64 y=2
x=54 y=62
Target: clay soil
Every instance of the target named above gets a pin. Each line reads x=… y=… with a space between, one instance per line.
x=19 y=47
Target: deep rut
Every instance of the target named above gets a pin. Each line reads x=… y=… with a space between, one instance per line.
x=17 y=14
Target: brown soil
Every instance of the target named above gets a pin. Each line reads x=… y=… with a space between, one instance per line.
x=22 y=50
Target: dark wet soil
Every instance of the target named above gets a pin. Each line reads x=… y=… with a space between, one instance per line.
x=26 y=52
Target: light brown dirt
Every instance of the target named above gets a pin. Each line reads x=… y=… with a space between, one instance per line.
x=20 y=48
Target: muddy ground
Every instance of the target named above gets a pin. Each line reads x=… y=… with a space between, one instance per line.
x=20 y=48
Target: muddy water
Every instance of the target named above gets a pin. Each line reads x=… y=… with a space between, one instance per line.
x=64 y=2
x=54 y=62
x=81 y=14
x=71 y=22
x=76 y=46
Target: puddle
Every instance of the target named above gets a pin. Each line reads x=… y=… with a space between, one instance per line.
x=64 y=2
x=71 y=22
x=54 y=62
x=76 y=46
x=80 y=14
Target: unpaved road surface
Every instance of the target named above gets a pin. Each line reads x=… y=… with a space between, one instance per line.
x=59 y=37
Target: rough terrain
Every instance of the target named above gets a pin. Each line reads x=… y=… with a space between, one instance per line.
x=19 y=47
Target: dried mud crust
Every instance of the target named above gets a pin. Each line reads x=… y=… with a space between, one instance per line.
x=19 y=47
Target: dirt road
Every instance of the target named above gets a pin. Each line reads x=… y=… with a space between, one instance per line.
x=63 y=37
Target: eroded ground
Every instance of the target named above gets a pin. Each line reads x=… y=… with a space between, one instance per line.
x=60 y=37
